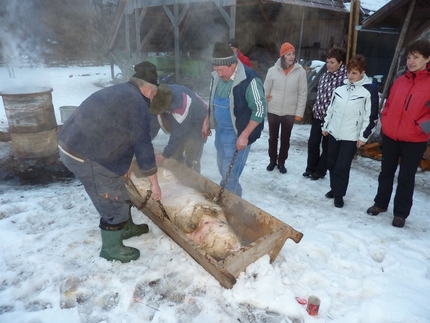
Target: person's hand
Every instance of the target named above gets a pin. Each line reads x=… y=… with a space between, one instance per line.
x=156 y=192
x=360 y=143
x=268 y=97
x=297 y=118
x=159 y=159
x=241 y=142
x=206 y=130
x=325 y=133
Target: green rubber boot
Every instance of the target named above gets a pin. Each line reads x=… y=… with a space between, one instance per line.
x=113 y=249
x=133 y=230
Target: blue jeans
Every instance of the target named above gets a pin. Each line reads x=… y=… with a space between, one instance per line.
x=225 y=144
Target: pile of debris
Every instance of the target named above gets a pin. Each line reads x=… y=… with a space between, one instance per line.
x=374 y=150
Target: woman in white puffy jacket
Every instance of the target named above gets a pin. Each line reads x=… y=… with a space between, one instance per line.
x=286 y=92
x=350 y=119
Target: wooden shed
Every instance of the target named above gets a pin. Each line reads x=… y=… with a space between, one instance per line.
x=411 y=19
x=179 y=34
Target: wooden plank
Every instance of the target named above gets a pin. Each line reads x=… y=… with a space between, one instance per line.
x=260 y=233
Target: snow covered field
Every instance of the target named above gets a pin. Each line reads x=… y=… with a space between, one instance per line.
x=363 y=269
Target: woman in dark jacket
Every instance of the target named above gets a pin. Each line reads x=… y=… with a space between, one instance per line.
x=405 y=124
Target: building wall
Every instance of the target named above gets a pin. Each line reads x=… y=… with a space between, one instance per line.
x=322 y=29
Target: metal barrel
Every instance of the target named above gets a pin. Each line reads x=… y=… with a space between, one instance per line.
x=32 y=123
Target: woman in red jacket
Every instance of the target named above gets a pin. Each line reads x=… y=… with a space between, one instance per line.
x=405 y=124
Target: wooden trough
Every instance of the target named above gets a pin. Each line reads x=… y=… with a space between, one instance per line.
x=260 y=233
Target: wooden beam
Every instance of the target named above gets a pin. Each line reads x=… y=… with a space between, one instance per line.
x=354 y=24
x=351 y=27
x=399 y=46
x=127 y=33
x=116 y=25
x=269 y=25
x=416 y=30
x=150 y=33
x=299 y=53
x=224 y=14
x=176 y=18
x=137 y=31
x=233 y=22
x=142 y=15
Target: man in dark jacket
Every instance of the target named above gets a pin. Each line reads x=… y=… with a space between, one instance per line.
x=97 y=143
x=180 y=112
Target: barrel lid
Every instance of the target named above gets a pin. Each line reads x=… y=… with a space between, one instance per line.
x=25 y=90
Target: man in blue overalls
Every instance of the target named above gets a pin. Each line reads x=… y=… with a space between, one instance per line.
x=237 y=108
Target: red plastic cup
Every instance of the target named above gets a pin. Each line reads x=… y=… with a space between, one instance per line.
x=313 y=305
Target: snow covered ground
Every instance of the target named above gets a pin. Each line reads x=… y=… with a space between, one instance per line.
x=363 y=269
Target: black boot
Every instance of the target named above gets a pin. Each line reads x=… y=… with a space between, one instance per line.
x=282 y=169
x=307 y=174
x=271 y=166
x=338 y=201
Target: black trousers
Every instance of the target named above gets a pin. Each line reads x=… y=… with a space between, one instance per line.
x=340 y=156
x=317 y=159
x=286 y=124
x=410 y=154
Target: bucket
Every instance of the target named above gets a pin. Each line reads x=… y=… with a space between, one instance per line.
x=32 y=123
x=66 y=111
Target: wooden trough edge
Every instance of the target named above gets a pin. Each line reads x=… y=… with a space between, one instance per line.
x=225 y=271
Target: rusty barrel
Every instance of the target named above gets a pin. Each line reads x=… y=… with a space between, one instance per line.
x=32 y=123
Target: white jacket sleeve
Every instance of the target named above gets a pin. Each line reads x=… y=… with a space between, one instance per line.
x=268 y=82
x=327 y=118
x=365 y=118
x=302 y=95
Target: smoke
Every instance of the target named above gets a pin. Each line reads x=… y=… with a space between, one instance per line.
x=20 y=31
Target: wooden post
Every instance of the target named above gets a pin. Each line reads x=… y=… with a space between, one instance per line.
x=233 y=21
x=137 y=34
x=299 y=53
x=354 y=24
x=269 y=25
x=348 y=46
x=399 y=46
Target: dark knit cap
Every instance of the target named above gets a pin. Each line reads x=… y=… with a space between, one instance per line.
x=146 y=71
x=223 y=55
x=161 y=102
x=233 y=43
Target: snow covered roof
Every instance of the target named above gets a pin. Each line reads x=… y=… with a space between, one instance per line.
x=393 y=14
x=369 y=6
x=334 y=5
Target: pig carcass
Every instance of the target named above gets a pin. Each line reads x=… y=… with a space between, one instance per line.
x=201 y=220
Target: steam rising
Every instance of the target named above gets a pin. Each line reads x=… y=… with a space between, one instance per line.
x=19 y=47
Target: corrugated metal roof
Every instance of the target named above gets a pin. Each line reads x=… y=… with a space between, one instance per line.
x=333 y=5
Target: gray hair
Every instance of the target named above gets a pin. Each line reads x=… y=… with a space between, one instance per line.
x=141 y=83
